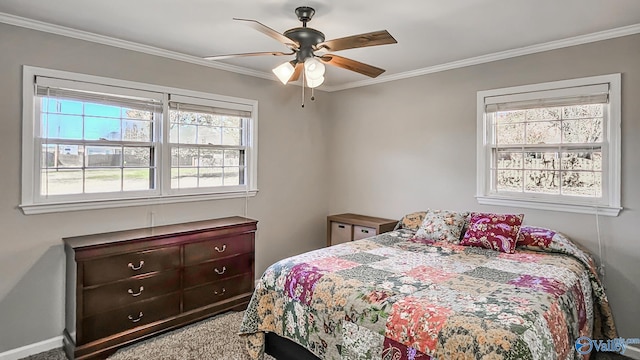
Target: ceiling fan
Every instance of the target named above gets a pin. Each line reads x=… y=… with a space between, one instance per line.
x=304 y=42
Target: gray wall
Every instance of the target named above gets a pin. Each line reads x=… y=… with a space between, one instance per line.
x=291 y=204
x=411 y=145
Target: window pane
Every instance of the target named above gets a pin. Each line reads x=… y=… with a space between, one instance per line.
x=582 y=160
x=232 y=176
x=184 y=156
x=542 y=160
x=102 y=180
x=586 y=183
x=509 y=160
x=104 y=156
x=210 y=177
x=504 y=117
x=509 y=180
x=544 y=114
x=137 y=179
x=543 y=132
x=61 y=182
x=186 y=134
x=98 y=128
x=231 y=121
x=582 y=131
x=182 y=117
x=209 y=135
x=185 y=177
x=544 y=182
x=60 y=106
x=61 y=126
x=210 y=158
x=209 y=120
x=583 y=111
x=137 y=156
x=93 y=109
x=231 y=157
x=136 y=130
x=231 y=136
x=66 y=156
x=510 y=134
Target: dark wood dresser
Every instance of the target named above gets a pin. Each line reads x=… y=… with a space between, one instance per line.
x=130 y=285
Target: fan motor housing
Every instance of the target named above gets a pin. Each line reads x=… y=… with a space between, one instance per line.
x=307 y=38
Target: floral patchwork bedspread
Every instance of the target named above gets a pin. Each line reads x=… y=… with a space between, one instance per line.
x=389 y=297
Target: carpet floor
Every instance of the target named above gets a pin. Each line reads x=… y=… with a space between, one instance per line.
x=212 y=339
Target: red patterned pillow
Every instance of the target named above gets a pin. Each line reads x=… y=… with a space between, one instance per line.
x=493 y=231
x=535 y=236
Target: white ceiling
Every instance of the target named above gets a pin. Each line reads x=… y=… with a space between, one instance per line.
x=429 y=32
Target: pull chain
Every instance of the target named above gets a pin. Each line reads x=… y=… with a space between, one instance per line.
x=303 y=81
x=313 y=98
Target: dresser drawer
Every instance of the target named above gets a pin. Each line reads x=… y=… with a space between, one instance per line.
x=118 y=267
x=217 y=270
x=129 y=317
x=340 y=233
x=361 y=232
x=126 y=292
x=217 y=291
x=217 y=248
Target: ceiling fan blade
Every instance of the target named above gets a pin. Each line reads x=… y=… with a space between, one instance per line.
x=273 y=53
x=345 y=63
x=270 y=32
x=296 y=73
x=375 y=38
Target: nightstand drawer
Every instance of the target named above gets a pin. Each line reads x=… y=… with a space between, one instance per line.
x=118 y=267
x=126 y=292
x=218 y=291
x=217 y=248
x=361 y=232
x=217 y=270
x=129 y=317
x=340 y=233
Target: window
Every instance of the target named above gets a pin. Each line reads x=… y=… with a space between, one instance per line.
x=552 y=146
x=91 y=142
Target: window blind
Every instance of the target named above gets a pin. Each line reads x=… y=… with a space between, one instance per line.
x=592 y=94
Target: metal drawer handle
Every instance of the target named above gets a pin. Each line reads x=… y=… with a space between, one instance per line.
x=138 y=319
x=365 y=231
x=341 y=226
x=134 y=268
x=136 y=294
x=220 y=293
x=224 y=268
x=224 y=247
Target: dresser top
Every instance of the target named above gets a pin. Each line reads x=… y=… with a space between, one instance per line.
x=156 y=231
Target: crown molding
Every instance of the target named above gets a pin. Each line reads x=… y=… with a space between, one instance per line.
x=151 y=50
x=527 y=50
x=128 y=45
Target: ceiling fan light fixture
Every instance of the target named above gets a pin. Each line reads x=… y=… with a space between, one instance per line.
x=313 y=68
x=314 y=83
x=284 y=72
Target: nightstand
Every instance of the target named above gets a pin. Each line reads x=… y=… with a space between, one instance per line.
x=348 y=227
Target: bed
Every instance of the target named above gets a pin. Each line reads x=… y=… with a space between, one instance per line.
x=396 y=297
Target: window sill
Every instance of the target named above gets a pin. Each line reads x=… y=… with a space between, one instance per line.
x=33 y=209
x=529 y=204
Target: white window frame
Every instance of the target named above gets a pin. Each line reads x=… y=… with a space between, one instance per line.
x=33 y=203
x=608 y=205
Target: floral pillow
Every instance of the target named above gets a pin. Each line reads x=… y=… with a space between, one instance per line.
x=493 y=231
x=442 y=225
x=535 y=236
x=411 y=221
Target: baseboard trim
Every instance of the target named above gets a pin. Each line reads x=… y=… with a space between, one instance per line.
x=32 y=349
x=632 y=352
